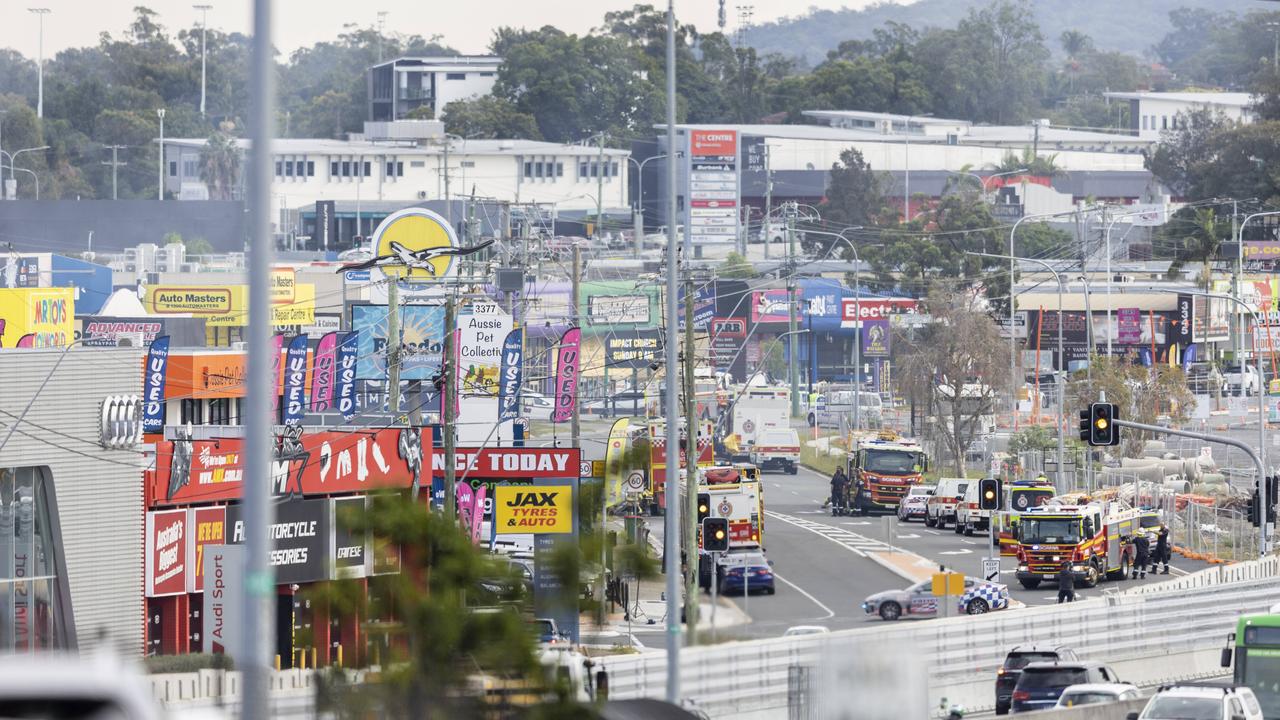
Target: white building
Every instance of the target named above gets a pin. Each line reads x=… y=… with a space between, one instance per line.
x=398 y=87
x=566 y=176
x=1151 y=113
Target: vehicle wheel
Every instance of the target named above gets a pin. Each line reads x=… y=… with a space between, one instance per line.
x=1123 y=572
x=813 y=421
x=770 y=591
x=959 y=528
x=1029 y=584
x=890 y=611
x=968 y=529
x=977 y=606
x=1092 y=576
x=928 y=521
x=792 y=469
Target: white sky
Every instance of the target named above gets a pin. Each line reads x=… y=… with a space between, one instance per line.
x=465 y=26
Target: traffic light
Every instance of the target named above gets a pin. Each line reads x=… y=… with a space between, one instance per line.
x=704 y=506
x=715 y=534
x=1102 y=426
x=989 y=494
x=1273 y=484
x=1086 y=425
x=1254 y=508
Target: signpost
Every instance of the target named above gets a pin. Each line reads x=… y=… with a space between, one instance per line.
x=947 y=585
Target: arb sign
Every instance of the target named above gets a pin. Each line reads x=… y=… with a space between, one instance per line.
x=538 y=509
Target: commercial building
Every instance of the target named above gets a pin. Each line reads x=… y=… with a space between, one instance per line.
x=1151 y=113
x=406 y=85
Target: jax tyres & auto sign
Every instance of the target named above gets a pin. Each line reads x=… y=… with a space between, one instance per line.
x=300 y=539
x=542 y=509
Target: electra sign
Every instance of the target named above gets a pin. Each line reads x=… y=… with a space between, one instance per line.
x=853 y=310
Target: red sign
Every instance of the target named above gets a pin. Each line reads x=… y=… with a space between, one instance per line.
x=728 y=328
x=320 y=463
x=740 y=531
x=166 y=553
x=713 y=203
x=852 y=309
x=770 y=306
x=713 y=143
x=208 y=527
x=511 y=463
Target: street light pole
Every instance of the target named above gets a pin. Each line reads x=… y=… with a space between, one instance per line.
x=13 y=156
x=40 y=12
x=671 y=525
x=638 y=240
x=160 y=163
x=204 y=22
x=857 y=337
x=1013 y=340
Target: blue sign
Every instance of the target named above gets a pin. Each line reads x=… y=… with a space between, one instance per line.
x=357 y=275
x=295 y=380
x=704 y=307
x=153 y=386
x=421 y=341
x=345 y=369
x=510 y=376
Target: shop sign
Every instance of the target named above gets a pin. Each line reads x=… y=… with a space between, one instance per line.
x=875 y=338
x=481 y=335
x=854 y=309
x=618 y=310
x=208 y=529
x=222 y=606
x=538 y=509
x=771 y=306
x=300 y=539
x=37 y=317
x=108 y=332
x=167 y=568
x=631 y=348
x=350 y=549
x=511 y=463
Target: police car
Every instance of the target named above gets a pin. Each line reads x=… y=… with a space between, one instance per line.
x=919 y=601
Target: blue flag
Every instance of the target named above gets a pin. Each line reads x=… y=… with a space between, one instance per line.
x=295 y=380
x=510 y=378
x=153 y=385
x=345 y=389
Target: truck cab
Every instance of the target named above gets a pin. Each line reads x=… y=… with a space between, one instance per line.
x=883 y=469
x=1094 y=539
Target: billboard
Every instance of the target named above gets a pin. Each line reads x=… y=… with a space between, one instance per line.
x=300 y=539
x=510 y=463
x=421 y=341
x=875 y=338
x=350 y=548
x=108 y=331
x=713 y=186
x=292 y=303
x=166 y=559
x=481 y=334
x=771 y=306
x=538 y=509
x=208 y=527
x=618 y=310
x=632 y=348
x=47 y=315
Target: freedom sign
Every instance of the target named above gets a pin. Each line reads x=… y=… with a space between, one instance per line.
x=539 y=509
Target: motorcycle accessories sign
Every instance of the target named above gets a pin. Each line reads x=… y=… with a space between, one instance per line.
x=300 y=539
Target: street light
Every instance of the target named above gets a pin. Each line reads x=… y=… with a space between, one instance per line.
x=1013 y=341
x=1062 y=358
x=40 y=12
x=32 y=173
x=160 y=164
x=13 y=156
x=983 y=181
x=204 y=23
x=639 y=219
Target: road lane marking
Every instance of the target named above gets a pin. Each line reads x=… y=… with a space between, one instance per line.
x=814 y=600
x=851 y=541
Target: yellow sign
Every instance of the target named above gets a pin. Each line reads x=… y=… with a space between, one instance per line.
x=37 y=317
x=409 y=235
x=228 y=305
x=948 y=583
x=522 y=509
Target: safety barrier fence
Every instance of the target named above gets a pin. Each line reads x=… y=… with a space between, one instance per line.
x=1148 y=637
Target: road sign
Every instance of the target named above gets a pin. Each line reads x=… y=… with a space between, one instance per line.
x=991 y=569
x=948 y=583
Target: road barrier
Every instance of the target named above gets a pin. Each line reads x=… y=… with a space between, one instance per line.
x=903 y=670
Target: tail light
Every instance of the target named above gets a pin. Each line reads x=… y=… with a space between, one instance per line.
x=1000 y=672
x=1021 y=695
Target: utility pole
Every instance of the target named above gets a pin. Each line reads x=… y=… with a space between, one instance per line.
x=160 y=159
x=204 y=23
x=448 y=206
x=671 y=525
x=115 y=164
x=637 y=219
x=768 y=203
x=448 y=406
x=1035 y=142
x=793 y=366
x=575 y=420
x=382 y=19
x=599 y=192
x=393 y=345
x=691 y=467
x=1237 y=321
x=40 y=13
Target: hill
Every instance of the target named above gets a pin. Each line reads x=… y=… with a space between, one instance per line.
x=1130 y=26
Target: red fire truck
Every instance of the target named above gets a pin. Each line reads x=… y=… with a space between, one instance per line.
x=735 y=492
x=654 y=437
x=883 y=469
x=1094 y=538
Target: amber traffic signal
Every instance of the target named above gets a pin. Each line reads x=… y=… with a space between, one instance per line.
x=1102 y=425
x=989 y=494
x=704 y=506
x=715 y=534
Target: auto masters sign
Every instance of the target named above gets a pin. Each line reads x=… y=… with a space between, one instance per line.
x=538 y=509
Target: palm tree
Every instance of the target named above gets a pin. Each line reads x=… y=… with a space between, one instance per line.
x=1041 y=165
x=1074 y=43
x=220 y=166
x=1204 y=241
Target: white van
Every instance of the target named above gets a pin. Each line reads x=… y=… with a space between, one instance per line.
x=942 y=505
x=968 y=515
x=836 y=407
x=777 y=448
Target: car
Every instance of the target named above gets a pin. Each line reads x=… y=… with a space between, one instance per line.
x=745 y=572
x=626 y=401
x=914 y=503
x=1201 y=701
x=918 y=600
x=941 y=506
x=1233 y=377
x=1042 y=683
x=535 y=406
x=1019 y=657
x=547 y=632
x=797 y=630
x=1096 y=694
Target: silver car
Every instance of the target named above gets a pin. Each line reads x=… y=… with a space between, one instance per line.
x=919 y=601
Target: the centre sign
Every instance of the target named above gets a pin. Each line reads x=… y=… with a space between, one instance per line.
x=539 y=509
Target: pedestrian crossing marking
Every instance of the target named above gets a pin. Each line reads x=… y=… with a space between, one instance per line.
x=851 y=541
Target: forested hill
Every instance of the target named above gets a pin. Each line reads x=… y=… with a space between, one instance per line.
x=1130 y=26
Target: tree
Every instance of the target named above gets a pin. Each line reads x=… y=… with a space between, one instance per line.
x=736 y=266
x=933 y=248
x=1032 y=163
x=854 y=198
x=1074 y=43
x=1143 y=394
x=489 y=116
x=959 y=354
x=1177 y=158
x=220 y=161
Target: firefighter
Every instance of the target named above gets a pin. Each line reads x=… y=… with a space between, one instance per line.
x=1142 y=550
x=1066 y=584
x=1163 y=551
x=839 y=491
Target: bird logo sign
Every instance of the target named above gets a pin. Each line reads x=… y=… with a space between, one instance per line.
x=415 y=244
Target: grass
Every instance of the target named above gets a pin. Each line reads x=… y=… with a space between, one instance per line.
x=819 y=462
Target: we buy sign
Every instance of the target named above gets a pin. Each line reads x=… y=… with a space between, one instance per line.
x=853 y=311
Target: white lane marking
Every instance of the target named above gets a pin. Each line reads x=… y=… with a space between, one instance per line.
x=961 y=551
x=814 y=600
x=851 y=541
x=793 y=492
x=907 y=536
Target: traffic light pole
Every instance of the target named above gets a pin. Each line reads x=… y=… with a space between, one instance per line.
x=1262 y=473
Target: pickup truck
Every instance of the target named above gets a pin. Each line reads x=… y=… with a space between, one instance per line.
x=777 y=448
x=1233 y=378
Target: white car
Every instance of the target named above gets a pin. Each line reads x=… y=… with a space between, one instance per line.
x=914 y=504
x=535 y=406
x=1201 y=701
x=1096 y=694
x=806 y=630
x=1250 y=379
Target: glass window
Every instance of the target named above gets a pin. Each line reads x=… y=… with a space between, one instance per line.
x=220 y=411
x=455 y=76
x=301 y=168
x=173 y=168
x=333 y=168
x=399 y=168
x=346 y=168
x=288 y=168
x=613 y=169
x=368 y=168
x=1019 y=660
x=1034 y=678
x=1184 y=708
x=190 y=412
x=191 y=167
x=559 y=169
x=537 y=169
x=391 y=169
x=279 y=172
x=582 y=170
x=311 y=168
x=34 y=609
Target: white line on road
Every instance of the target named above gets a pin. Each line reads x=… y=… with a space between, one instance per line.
x=851 y=541
x=814 y=600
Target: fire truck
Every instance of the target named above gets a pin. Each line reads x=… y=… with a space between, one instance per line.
x=883 y=469
x=653 y=435
x=734 y=492
x=1095 y=538
x=1020 y=495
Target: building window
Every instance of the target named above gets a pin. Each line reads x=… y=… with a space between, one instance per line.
x=395 y=168
x=34 y=579
x=559 y=169
x=288 y=168
x=333 y=168
x=537 y=169
x=455 y=76
x=279 y=172
x=368 y=167
x=486 y=74
x=346 y=168
x=468 y=163
x=191 y=167
x=528 y=169
x=220 y=411
x=173 y=168
x=613 y=169
x=311 y=168
x=582 y=170
x=190 y=414
x=1144 y=122
x=417 y=163
x=1164 y=122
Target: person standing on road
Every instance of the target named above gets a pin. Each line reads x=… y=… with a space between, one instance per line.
x=1142 y=555
x=1163 y=551
x=1066 y=584
x=839 y=484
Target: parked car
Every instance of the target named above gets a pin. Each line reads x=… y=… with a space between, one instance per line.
x=832 y=408
x=1017 y=659
x=535 y=406
x=1042 y=683
x=806 y=630
x=1201 y=701
x=624 y=402
x=913 y=505
x=1233 y=377
x=745 y=572
x=919 y=601
x=940 y=508
x=547 y=632
x=1096 y=694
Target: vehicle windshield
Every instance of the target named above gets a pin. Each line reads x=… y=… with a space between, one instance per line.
x=891 y=462
x=1024 y=499
x=1259 y=670
x=1039 y=679
x=1049 y=530
x=1150 y=521
x=1184 y=708
x=1017 y=661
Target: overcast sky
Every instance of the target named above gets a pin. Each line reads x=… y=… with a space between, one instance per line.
x=466 y=26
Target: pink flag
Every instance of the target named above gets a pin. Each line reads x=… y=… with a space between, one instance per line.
x=566 y=391
x=477 y=512
x=322 y=374
x=277 y=342
x=462 y=496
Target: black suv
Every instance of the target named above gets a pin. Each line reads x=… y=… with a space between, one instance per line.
x=1019 y=657
x=1041 y=683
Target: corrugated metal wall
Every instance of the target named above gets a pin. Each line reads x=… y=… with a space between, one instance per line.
x=99 y=492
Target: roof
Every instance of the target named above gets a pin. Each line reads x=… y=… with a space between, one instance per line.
x=1047 y=134
x=443 y=62
x=365 y=148
x=1235 y=99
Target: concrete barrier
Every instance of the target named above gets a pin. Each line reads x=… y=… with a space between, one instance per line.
x=1109 y=711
